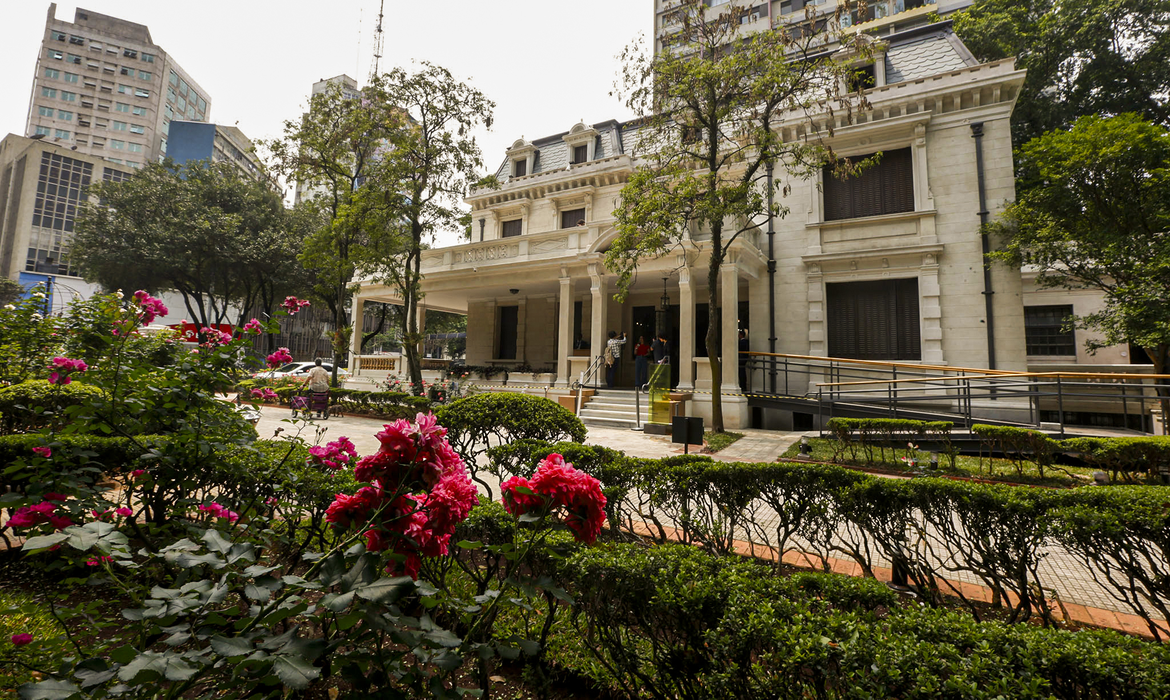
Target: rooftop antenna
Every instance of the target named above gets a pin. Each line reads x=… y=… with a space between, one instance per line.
x=378 y=41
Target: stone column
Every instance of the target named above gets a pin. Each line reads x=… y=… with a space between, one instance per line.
x=599 y=311
x=565 y=331
x=422 y=331
x=357 y=316
x=729 y=318
x=686 y=330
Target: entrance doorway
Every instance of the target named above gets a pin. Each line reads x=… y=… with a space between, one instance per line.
x=644 y=320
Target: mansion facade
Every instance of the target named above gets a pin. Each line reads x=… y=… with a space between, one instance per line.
x=885 y=266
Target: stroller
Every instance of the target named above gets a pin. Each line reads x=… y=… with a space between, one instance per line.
x=308 y=402
x=302 y=405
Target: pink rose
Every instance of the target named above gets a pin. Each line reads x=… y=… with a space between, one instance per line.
x=19 y=640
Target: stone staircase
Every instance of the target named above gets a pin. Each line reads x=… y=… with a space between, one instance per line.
x=614 y=408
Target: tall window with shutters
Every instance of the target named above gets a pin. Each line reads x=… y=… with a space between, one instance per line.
x=513 y=228
x=875 y=320
x=885 y=188
x=573 y=217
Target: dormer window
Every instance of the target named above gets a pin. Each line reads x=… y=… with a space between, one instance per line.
x=582 y=143
x=522 y=157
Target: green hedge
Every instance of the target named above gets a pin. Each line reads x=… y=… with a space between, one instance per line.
x=996 y=534
x=476 y=423
x=36 y=403
x=1122 y=457
x=888 y=433
x=672 y=622
x=382 y=404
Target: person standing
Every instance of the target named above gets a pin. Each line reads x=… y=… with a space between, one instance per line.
x=613 y=355
x=641 y=363
x=318 y=383
x=661 y=350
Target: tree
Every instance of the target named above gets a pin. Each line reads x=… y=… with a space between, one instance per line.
x=710 y=108
x=335 y=154
x=1090 y=57
x=10 y=291
x=430 y=161
x=199 y=230
x=1096 y=215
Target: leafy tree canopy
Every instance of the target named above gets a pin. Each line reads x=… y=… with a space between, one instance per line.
x=200 y=230
x=1101 y=57
x=1096 y=214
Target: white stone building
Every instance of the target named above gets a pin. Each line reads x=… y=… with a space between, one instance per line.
x=886 y=266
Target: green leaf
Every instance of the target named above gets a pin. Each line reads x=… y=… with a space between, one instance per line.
x=40 y=542
x=216 y=541
x=337 y=602
x=231 y=646
x=294 y=672
x=51 y=689
x=386 y=590
x=467 y=544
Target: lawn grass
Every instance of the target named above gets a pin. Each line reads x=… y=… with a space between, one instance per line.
x=718 y=441
x=825 y=450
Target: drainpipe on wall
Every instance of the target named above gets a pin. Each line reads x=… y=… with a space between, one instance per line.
x=977 y=134
x=771 y=285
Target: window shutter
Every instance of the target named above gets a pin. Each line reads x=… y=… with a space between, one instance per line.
x=874 y=320
x=571 y=218
x=515 y=227
x=886 y=188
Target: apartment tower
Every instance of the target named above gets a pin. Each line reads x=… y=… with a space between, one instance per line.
x=103 y=87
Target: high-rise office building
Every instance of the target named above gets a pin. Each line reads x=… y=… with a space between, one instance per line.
x=191 y=141
x=103 y=87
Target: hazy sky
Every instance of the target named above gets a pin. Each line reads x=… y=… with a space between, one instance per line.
x=546 y=64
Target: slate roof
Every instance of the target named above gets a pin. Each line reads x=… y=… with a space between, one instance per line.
x=911 y=54
x=924 y=51
x=552 y=153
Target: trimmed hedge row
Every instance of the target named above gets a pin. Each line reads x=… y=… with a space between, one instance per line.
x=673 y=622
x=888 y=433
x=34 y=404
x=932 y=528
x=361 y=398
x=1121 y=457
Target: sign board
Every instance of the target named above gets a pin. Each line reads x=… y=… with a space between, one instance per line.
x=687 y=430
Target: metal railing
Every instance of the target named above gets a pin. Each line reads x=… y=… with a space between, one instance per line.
x=587 y=373
x=962 y=394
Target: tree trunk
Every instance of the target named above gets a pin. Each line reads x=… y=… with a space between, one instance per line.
x=714 y=326
x=411 y=284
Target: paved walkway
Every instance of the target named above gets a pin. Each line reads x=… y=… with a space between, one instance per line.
x=758 y=446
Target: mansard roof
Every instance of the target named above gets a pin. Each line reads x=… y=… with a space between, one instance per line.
x=909 y=55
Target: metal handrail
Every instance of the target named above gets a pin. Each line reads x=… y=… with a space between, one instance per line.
x=945 y=368
x=914 y=387
x=588 y=371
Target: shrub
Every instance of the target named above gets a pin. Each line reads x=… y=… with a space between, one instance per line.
x=673 y=622
x=1122 y=536
x=1019 y=445
x=1123 y=456
x=892 y=433
x=34 y=404
x=476 y=423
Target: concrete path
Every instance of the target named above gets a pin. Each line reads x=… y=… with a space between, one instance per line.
x=758 y=446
